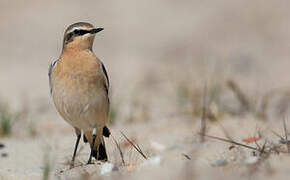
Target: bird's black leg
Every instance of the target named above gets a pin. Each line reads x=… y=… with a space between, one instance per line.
x=93 y=145
x=78 y=133
x=102 y=156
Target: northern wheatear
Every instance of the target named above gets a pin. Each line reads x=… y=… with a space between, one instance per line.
x=79 y=86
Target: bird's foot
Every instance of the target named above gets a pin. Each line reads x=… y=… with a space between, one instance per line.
x=90 y=162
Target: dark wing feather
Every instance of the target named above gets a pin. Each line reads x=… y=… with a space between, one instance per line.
x=50 y=68
x=107 y=79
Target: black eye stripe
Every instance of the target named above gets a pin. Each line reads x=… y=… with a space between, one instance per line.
x=75 y=33
x=82 y=32
x=79 y=32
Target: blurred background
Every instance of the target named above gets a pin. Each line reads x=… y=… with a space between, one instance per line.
x=159 y=56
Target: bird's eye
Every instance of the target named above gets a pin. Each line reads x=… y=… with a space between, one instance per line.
x=77 y=32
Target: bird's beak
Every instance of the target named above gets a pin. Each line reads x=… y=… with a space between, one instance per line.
x=94 y=31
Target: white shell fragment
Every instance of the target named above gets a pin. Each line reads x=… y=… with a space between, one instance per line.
x=107 y=168
x=251 y=160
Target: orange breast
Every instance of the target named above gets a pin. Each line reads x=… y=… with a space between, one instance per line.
x=78 y=90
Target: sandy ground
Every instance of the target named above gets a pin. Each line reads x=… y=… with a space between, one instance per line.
x=159 y=55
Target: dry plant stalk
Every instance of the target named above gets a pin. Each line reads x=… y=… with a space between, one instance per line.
x=225 y=132
x=286 y=136
x=277 y=134
x=234 y=142
x=47 y=167
x=186 y=156
x=120 y=150
x=265 y=105
x=281 y=141
x=203 y=116
x=240 y=95
x=136 y=146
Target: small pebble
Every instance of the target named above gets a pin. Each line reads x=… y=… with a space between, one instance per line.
x=284 y=141
x=219 y=162
x=2 y=145
x=251 y=160
x=4 y=154
x=107 y=168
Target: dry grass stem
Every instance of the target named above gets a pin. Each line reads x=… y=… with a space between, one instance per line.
x=136 y=147
x=240 y=95
x=203 y=116
x=119 y=149
x=232 y=142
x=186 y=156
x=225 y=132
x=277 y=134
x=286 y=136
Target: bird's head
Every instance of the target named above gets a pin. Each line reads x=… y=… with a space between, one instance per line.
x=80 y=36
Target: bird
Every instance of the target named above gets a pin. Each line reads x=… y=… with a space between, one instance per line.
x=79 y=86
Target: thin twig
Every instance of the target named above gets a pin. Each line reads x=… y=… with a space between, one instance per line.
x=240 y=95
x=203 y=116
x=262 y=150
x=282 y=139
x=186 y=156
x=231 y=141
x=120 y=150
x=135 y=147
x=286 y=136
x=257 y=145
x=277 y=134
x=225 y=132
x=258 y=136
